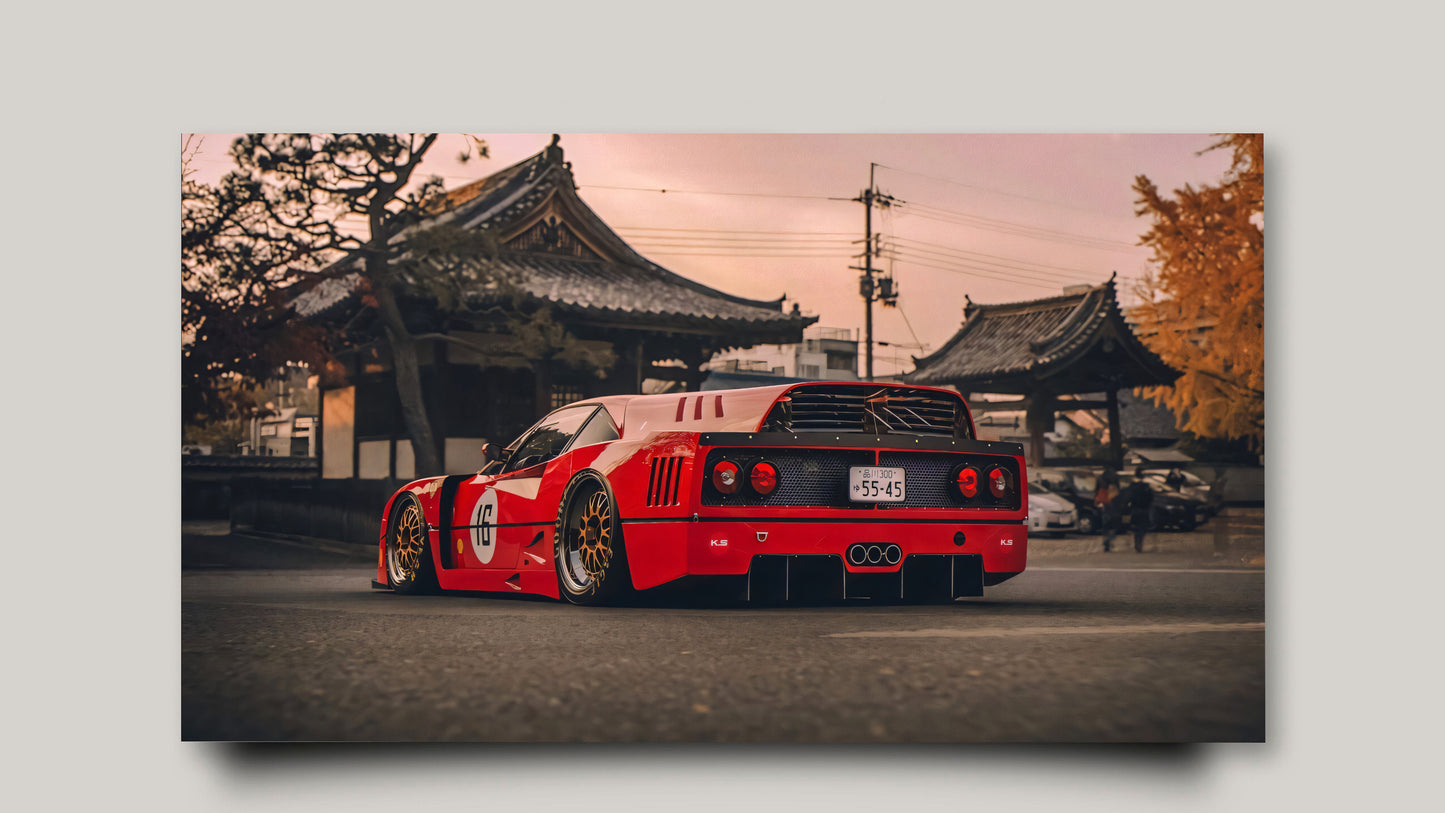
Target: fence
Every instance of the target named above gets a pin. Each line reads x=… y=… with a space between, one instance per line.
x=208 y=481
x=343 y=510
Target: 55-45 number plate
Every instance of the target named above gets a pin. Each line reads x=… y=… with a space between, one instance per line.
x=874 y=484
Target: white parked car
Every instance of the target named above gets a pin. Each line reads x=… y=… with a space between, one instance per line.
x=1049 y=513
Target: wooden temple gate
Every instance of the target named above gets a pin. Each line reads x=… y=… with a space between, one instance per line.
x=1060 y=353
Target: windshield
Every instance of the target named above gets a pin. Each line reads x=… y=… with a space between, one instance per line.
x=549 y=437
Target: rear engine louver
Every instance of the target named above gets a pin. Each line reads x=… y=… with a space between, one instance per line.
x=662 y=486
x=866 y=409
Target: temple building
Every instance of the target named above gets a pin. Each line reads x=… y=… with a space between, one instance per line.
x=653 y=324
x=1051 y=351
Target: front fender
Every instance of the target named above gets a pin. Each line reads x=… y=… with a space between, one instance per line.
x=427 y=493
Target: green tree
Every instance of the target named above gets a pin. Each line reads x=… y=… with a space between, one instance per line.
x=1203 y=303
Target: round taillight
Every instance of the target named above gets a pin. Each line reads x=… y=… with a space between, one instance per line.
x=968 y=482
x=764 y=477
x=998 y=484
x=725 y=477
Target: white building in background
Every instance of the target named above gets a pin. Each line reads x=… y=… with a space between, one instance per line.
x=826 y=353
x=283 y=433
x=286 y=426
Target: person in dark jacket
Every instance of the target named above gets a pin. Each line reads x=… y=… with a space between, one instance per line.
x=1174 y=479
x=1141 y=505
x=1109 y=502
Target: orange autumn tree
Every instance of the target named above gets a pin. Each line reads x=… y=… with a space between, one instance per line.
x=1203 y=302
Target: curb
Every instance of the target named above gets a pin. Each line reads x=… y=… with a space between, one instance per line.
x=312 y=542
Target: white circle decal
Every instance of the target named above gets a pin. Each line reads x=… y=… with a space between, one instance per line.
x=484 y=527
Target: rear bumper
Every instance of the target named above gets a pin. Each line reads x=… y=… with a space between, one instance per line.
x=922 y=577
x=661 y=551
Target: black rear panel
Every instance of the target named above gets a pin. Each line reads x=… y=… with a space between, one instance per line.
x=931 y=481
x=819 y=478
x=814 y=477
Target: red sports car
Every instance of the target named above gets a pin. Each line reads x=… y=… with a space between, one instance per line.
x=812 y=491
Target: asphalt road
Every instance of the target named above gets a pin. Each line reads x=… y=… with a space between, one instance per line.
x=283 y=641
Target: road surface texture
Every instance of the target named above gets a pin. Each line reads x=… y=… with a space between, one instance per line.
x=285 y=640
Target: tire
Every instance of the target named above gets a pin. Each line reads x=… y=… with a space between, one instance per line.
x=590 y=558
x=1087 y=525
x=409 y=566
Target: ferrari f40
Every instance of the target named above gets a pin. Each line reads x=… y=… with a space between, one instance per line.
x=796 y=492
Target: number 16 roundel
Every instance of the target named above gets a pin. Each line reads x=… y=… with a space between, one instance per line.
x=484 y=527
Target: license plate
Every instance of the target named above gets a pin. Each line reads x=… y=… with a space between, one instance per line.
x=873 y=484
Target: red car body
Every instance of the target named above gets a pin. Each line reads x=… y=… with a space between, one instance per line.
x=654 y=458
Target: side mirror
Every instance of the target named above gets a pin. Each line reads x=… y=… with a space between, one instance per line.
x=491 y=459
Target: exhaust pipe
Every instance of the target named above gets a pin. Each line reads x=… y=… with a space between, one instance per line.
x=876 y=555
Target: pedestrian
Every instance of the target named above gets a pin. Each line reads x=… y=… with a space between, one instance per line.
x=1141 y=507
x=1106 y=500
x=1174 y=479
x=1216 y=491
x=1216 y=507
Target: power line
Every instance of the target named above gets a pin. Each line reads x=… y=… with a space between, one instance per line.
x=1015 y=232
x=743 y=251
x=987 y=189
x=1013 y=273
x=944 y=212
x=705 y=192
x=699 y=242
x=665 y=238
x=981 y=273
x=1008 y=227
x=667 y=253
x=975 y=254
x=903 y=247
x=733 y=231
x=911 y=332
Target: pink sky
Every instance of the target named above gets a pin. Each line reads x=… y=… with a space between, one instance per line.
x=1014 y=186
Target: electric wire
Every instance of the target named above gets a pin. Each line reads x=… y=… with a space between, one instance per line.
x=1043 y=276
x=921 y=345
x=800 y=241
x=1008 y=223
x=983 y=188
x=968 y=254
x=981 y=273
x=707 y=192
x=1007 y=227
x=670 y=253
x=901 y=250
x=735 y=231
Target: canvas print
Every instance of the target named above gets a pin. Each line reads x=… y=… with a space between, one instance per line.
x=702 y=437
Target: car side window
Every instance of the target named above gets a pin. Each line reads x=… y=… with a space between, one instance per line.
x=549 y=437
x=598 y=430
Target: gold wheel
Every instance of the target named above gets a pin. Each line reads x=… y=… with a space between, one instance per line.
x=594 y=536
x=591 y=565
x=408 y=545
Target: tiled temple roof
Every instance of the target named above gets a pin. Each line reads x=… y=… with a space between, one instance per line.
x=1072 y=343
x=569 y=256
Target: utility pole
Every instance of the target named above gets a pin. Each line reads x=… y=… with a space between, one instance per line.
x=867 y=290
x=869 y=198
